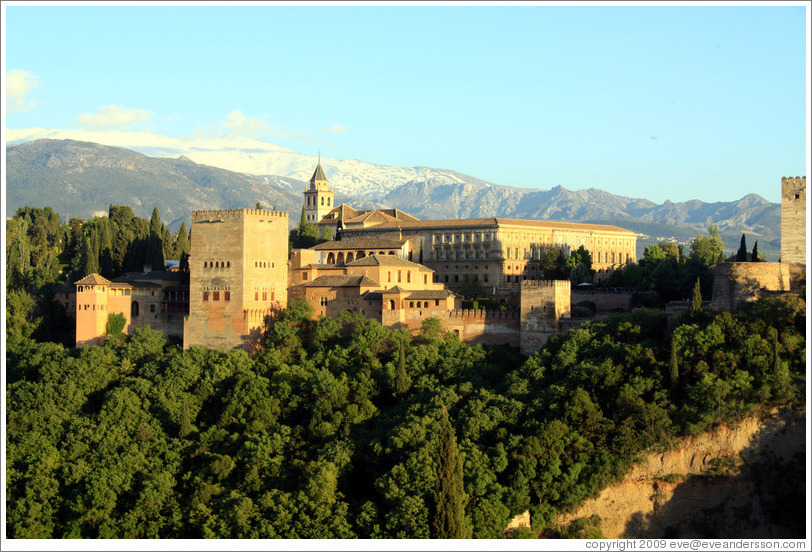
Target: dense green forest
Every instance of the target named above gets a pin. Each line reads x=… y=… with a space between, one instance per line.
x=342 y=428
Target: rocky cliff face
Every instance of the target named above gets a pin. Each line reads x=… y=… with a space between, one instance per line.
x=742 y=481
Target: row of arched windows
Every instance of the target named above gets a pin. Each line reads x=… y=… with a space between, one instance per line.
x=216 y=264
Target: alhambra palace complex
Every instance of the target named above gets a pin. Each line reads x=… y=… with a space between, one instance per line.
x=390 y=266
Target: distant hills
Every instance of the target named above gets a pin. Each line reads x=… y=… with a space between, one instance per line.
x=80 y=179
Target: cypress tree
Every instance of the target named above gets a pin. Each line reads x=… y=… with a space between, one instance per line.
x=741 y=255
x=90 y=253
x=754 y=255
x=106 y=249
x=696 y=301
x=674 y=375
x=182 y=245
x=155 y=248
x=402 y=381
x=449 y=517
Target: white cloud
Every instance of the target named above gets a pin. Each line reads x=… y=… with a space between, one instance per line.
x=18 y=84
x=238 y=125
x=113 y=117
x=334 y=129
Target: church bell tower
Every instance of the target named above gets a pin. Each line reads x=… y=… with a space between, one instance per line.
x=319 y=196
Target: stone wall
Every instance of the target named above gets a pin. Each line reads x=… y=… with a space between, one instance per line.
x=481 y=326
x=543 y=303
x=734 y=283
x=605 y=301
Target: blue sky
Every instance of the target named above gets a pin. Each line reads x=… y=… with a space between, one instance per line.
x=660 y=102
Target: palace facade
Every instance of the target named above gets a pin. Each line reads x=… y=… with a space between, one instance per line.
x=385 y=265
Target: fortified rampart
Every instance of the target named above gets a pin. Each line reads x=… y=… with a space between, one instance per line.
x=484 y=326
x=543 y=303
x=735 y=283
x=605 y=301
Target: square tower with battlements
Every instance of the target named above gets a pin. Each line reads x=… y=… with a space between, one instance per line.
x=238 y=276
x=793 y=220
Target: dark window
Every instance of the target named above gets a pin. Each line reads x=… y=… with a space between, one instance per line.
x=227 y=296
x=205 y=295
x=216 y=296
x=134 y=309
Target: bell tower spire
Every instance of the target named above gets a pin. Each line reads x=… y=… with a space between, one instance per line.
x=319 y=196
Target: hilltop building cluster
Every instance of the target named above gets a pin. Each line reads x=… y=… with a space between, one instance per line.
x=384 y=264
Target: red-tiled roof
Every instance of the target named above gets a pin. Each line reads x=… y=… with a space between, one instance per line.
x=430 y=294
x=384 y=260
x=492 y=223
x=360 y=243
x=342 y=281
x=93 y=280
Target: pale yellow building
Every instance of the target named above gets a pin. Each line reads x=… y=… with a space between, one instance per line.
x=238 y=276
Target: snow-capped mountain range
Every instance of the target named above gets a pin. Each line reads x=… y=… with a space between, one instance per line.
x=255 y=157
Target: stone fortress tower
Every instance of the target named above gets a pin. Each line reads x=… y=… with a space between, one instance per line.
x=793 y=220
x=737 y=282
x=238 y=276
x=319 y=196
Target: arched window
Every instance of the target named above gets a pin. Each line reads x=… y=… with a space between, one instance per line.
x=361 y=255
x=134 y=309
x=340 y=258
x=391 y=304
x=350 y=257
x=331 y=259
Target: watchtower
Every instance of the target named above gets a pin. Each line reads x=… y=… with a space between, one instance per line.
x=793 y=220
x=238 y=276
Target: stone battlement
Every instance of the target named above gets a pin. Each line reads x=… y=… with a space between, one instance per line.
x=546 y=283
x=234 y=214
x=793 y=182
x=483 y=314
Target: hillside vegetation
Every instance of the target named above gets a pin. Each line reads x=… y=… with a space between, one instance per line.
x=342 y=428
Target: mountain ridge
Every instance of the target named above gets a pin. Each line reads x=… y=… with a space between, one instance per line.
x=90 y=176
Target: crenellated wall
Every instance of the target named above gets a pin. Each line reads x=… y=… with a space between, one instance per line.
x=484 y=326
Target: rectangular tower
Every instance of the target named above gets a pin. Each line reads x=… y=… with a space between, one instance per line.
x=238 y=276
x=793 y=220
